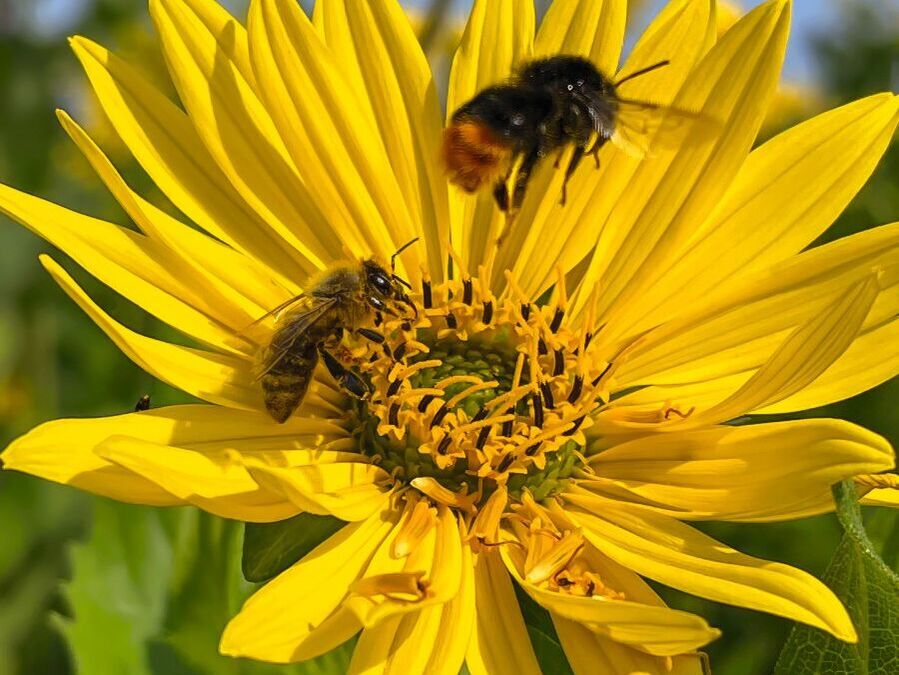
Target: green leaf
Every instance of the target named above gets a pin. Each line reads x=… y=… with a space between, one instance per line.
x=270 y=548
x=152 y=591
x=544 y=638
x=870 y=591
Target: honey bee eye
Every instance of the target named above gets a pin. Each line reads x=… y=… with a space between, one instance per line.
x=381 y=283
x=569 y=87
x=517 y=119
x=580 y=83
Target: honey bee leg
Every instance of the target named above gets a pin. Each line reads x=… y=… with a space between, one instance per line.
x=345 y=377
x=374 y=336
x=576 y=158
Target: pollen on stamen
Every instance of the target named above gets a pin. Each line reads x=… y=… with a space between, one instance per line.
x=478 y=390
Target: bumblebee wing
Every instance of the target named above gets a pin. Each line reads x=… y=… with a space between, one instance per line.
x=643 y=127
x=295 y=325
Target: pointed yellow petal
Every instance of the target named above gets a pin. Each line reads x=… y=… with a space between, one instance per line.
x=433 y=640
x=499 y=34
x=799 y=360
x=546 y=233
x=590 y=653
x=435 y=564
x=590 y=28
x=239 y=134
x=349 y=491
x=212 y=482
x=297 y=615
x=231 y=35
x=218 y=276
x=668 y=551
x=338 y=151
x=872 y=359
x=165 y=143
x=217 y=378
x=128 y=262
x=655 y=214
x=738 y=329
x=739 y=473
x=374 y=45
x=652 y=628
x=786 y=194
x=63 y=450
x=499 y=640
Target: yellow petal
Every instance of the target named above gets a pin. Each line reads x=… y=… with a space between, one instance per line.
x=739 y=473
x=655 y=215
x=231 y=286
x=436 y=564
x=651 y=628
x=233 y=37
x=499 y=640
x=546 y=233
x=433 y=640
x=375 y=46
x=338 y=151
x=499 y=34
x=164 y=142
x=349 y=491
x=239 y=134
x=872 y=359
x=786 y=194
x=590 y=28
x=799 y=360
x=590 y=653
x=675 y=554
x=297 y=615
x=738 y=329
x=217 y=378
x=128 y=262
x=63 y=450
x=212 y=482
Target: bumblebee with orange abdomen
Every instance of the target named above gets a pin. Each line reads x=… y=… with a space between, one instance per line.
x=548 y=104
x=310 y=326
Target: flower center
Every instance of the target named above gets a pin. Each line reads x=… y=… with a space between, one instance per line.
x=478 y=393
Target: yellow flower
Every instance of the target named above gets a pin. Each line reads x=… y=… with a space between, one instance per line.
x=560 y=408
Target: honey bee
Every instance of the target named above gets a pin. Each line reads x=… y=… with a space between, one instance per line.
x=548 y=104
x=344 y=297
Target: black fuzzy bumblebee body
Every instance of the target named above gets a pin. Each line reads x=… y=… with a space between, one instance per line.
x=548 y=104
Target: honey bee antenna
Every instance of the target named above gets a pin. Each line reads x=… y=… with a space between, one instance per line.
x=643 y=71
x=402 y=281
x=398 y=251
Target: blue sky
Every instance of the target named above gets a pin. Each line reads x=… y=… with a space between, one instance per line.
x=810 y=17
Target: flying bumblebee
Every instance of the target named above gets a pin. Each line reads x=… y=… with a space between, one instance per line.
x=547 y=105
x=344 y=297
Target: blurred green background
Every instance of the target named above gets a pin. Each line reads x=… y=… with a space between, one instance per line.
x=88 y=586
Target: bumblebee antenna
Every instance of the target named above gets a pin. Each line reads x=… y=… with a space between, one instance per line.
x=398 y=251
x=643 y=71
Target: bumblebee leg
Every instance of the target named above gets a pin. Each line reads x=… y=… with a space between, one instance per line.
x=347 y=379
x=524 y=174
x=501 y=196
x=576 y=158
x=595 y=152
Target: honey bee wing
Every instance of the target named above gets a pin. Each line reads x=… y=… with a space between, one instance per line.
x=642 y=126
x=285 y=337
